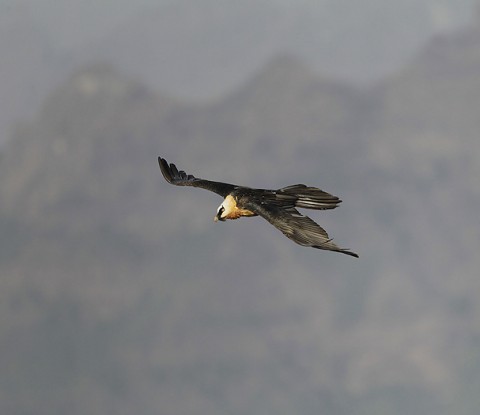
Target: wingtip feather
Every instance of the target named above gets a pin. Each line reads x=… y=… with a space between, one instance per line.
x=164 y=168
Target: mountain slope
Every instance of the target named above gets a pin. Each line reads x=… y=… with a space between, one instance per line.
x=119 y=294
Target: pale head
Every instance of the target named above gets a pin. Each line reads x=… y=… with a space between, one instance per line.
x=220 y=213
x=226 y=209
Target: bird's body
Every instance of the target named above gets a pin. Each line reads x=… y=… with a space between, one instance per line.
x=276 y=206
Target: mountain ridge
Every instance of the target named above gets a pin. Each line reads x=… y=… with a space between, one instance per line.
x=119 y=285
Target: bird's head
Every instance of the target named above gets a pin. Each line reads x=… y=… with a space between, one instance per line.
x=220 y=216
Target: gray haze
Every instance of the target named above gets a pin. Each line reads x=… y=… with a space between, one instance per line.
x=119 y=294
x=202 y=49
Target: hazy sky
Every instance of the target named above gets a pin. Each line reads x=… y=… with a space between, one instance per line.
x=42 y=39
x=73 y=21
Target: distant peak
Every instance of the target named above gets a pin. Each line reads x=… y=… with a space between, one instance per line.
x=93 y=78
x=286 y=67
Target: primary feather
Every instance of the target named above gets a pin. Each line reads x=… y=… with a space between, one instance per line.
x=179 y=178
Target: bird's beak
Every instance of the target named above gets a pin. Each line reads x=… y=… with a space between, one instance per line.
x=218 y=217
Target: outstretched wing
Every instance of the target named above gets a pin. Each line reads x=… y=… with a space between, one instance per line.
x=299 y=195
x=300 y=229
x=180 y=178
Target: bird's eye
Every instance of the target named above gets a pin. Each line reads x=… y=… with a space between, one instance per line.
x=221 y=210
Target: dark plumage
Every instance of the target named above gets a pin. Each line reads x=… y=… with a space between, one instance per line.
x=276 y=206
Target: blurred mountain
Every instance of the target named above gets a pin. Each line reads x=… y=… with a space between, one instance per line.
x=119 y=294
x=238 y=37
x=202 y=50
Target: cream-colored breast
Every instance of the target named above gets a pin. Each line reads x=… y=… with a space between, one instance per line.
x=232 y=211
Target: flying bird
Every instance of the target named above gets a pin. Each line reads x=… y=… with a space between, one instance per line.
x=276 y=206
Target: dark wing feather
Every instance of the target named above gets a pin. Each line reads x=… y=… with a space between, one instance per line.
x=300 y=229
x=180 y=178
x=306 y=197
x=297 y=195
